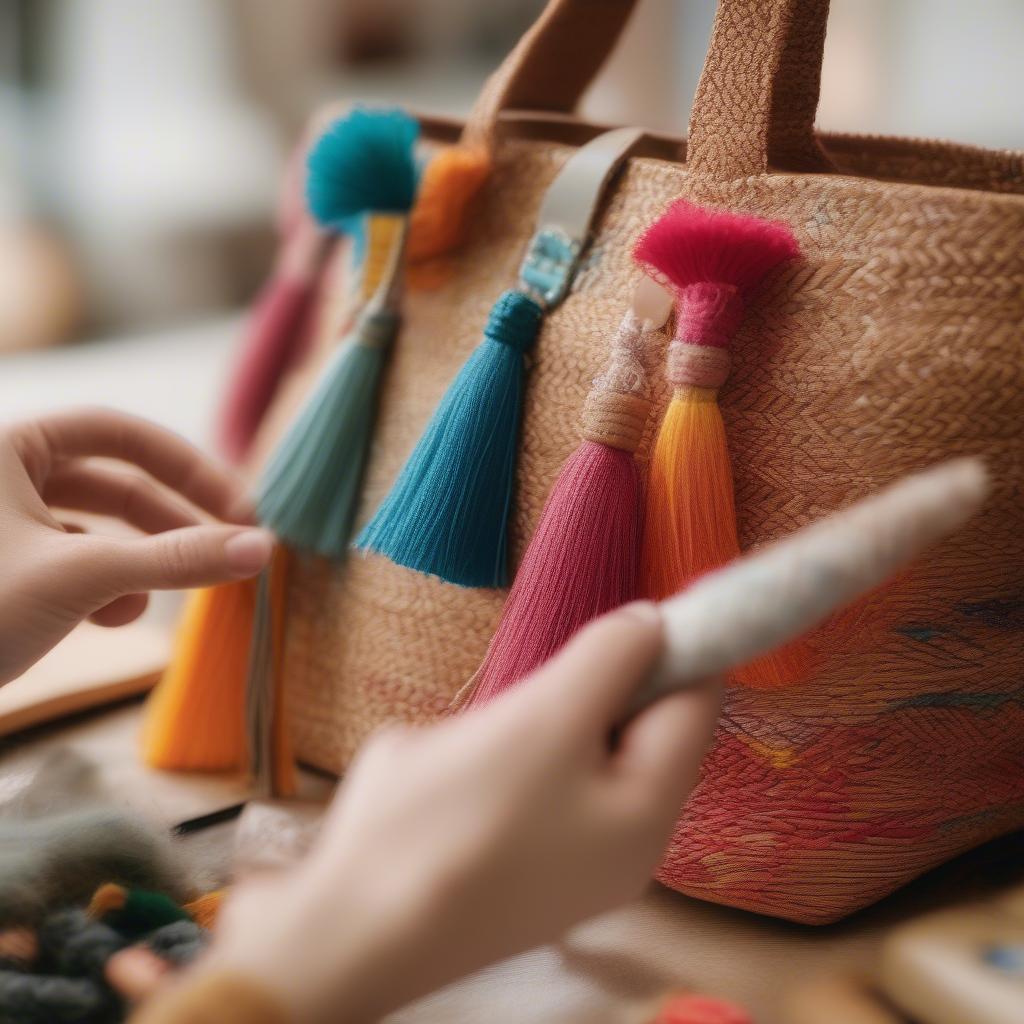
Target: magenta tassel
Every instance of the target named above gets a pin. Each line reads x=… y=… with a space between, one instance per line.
x=581 y=563
x=276 y=338
x=273 y=341
x=584 y=557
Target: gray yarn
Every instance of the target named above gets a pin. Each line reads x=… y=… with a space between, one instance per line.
x=40 y=999
x=73 y=945
x=178 y=943
x=62 y=859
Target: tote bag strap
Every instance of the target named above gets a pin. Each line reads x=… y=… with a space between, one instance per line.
x=758 y=93
x=552 y=65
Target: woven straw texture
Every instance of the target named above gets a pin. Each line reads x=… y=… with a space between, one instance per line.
x=895 y=342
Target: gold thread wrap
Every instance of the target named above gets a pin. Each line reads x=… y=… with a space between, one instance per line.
x=616 y=410
x=615 y=419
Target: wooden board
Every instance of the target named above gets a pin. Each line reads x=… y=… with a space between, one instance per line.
x=91 y=667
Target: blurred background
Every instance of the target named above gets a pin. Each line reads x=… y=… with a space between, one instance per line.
x=141 y=144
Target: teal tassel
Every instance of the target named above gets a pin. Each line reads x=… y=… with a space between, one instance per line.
x=447 y=513
x=363 y=162
x=311 y=485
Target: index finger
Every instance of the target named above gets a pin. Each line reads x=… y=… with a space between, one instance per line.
x=589 y=683
x=161 y=453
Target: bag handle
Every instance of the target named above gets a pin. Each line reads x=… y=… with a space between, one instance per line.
x=551 y=66
x=758 y=92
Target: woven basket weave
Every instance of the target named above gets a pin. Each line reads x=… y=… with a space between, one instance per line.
x=895 y=342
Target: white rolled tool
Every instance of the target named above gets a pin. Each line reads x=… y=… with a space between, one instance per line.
x=768 y=598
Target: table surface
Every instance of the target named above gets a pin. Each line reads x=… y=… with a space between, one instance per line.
x=605 y=971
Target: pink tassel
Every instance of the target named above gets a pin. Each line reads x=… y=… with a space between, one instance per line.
x=275 y=340
x=584 y=557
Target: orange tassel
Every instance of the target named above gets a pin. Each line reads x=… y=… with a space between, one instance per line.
x=195 y=717
x=712 y=260
x=441 y=215
x=205 y=909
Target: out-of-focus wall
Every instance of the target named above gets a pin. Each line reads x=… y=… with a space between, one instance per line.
x=142 y=141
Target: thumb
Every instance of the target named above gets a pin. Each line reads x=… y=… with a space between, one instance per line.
x=194 y=556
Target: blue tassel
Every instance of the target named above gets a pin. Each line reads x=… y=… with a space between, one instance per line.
x=447 y=513
x=362 y=162
x=311 y=485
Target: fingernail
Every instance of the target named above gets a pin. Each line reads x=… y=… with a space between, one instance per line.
x=249 y=551
x=643 y=611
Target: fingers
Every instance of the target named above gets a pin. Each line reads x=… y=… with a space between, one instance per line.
x=120 y=611
x=196 y=556
x=660 y=752
x=160 y=453
x=589 y=682
x=108 y=492
x=136 y=973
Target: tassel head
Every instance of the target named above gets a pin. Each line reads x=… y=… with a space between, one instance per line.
x=451 y=181
x=691 y=244
x=363 y=162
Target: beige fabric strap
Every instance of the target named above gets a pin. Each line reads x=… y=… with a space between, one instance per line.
x=566 y=214
x=573 y=197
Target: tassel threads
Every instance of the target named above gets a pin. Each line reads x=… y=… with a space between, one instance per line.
x=311 y=486
x=711 y=260
x=441 y=217
x=447 y=514
x=362 y=162
x=583 y=559
x=269 y=748
x=195 y=717
x=274 y=340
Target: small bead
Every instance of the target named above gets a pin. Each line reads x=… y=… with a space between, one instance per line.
x=514 y=321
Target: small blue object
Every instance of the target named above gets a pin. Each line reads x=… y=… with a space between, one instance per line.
x=1009 y=959
x=447 y=514
x=549 y=264
x=363 y=163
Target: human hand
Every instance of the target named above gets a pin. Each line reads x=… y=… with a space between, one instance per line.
x=452 y=846
x=54 y=577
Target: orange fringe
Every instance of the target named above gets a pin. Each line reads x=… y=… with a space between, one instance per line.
x=285 y=780
x=204 y=909
x=195 y=720
x=690 y=526
x=441 y=216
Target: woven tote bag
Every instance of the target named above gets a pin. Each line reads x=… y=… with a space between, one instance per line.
x=896 y=341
